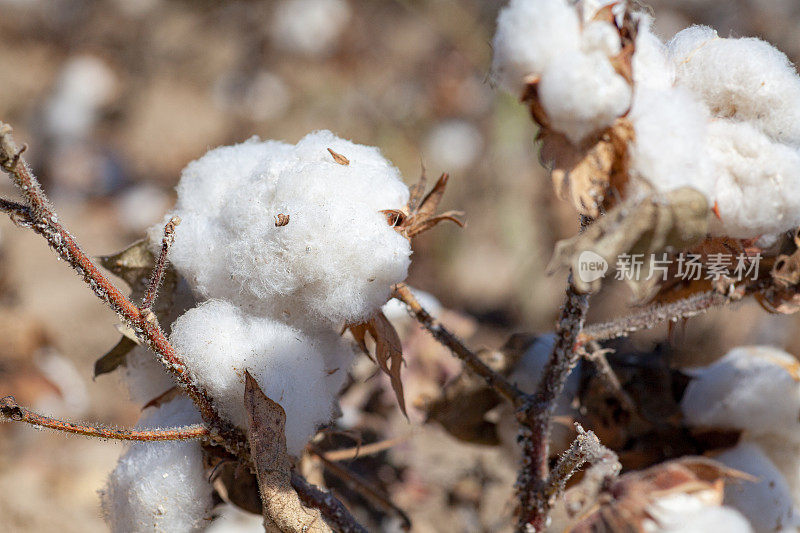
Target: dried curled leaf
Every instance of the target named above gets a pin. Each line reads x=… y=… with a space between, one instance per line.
x=420 y=213
x=670 y=222
x=593 y=175
x=388 y=350
x=115 y=357
x=282 y=509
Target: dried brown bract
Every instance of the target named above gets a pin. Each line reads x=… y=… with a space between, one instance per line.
x=420 y=213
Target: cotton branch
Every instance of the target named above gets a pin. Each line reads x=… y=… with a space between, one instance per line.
x=41 y=217
x=586 y=448
x=161 y=264
x=13 y=412
x=497 y=382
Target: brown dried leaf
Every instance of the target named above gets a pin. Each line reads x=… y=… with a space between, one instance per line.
x=420 y=212
x=388 y=351
x=132 y=265
x=165 y=397
x=587 y=175
x=115 y=357
x=282 y=509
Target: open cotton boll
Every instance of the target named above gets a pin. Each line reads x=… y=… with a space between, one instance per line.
x=767 y=503
x=530 y=35
x=335 y=259
x=693 y=513
x=160 y=486
x=758 y=181
x=744 y=79
x=752 y=388
x=581 y=94
x=302 y=373
x=671 y=130
x=600 y=36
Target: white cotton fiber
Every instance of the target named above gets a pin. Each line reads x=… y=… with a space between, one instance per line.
x=767 y=503
x=600 y=36
x=651 y=66
x=784 y=452
x=693 y=513
x=743 y=79
x=757 y=189
x=301 y=372
x=336 y=259
x=752 y=388
x=581 y=94
x=670 y=127
x=530 y=35
x=160 y=486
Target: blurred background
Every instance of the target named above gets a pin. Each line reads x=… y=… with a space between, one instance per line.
x=114 y=97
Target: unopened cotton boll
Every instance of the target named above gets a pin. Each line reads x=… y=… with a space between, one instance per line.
x=752 y=388
x=757 y=190
x=582 y=94
x=301 y=372
x=530 y=35
x=669 y=147
x=160 y=486
x=767 y=502
x=743 y=79
x=335 y=259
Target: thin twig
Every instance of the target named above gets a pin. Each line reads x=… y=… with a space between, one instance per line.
x=361 y=486
x=497 y=382
x=161 y=264
x=11 y=411
x=586 y=448
x=44 y=221
x=608 y=378
x=652 y=316
x=356 y=452
x=335 y=513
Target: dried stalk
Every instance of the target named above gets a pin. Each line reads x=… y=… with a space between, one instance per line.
x=40 y=216
x=361 y=486
x=536 y=416
x=11 y=411
x=497 y=382
x=161 y=264
x=334 y=512
x=586 y=448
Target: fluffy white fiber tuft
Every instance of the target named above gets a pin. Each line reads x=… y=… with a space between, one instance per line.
x=742 y=79
x=159 y=486
x=300 y=371
x=336 y=259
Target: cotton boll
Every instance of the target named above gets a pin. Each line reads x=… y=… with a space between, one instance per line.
x=693 y=513
x=160 y=486
x=743 y=79
x=302 y=373
x=767 y=503
x=530 y=35
x=687 y=42
x=309 y=27
x=582 y=94
x=784 y=452
x=753 y=388
x=758 y=181
x=671 y=129
x=233 y=520
x=333 y=262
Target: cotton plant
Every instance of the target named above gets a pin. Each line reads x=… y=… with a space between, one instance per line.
x=755 y=390
x=628 y=120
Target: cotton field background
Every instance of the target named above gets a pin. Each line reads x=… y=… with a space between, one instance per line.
x=114 y=98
